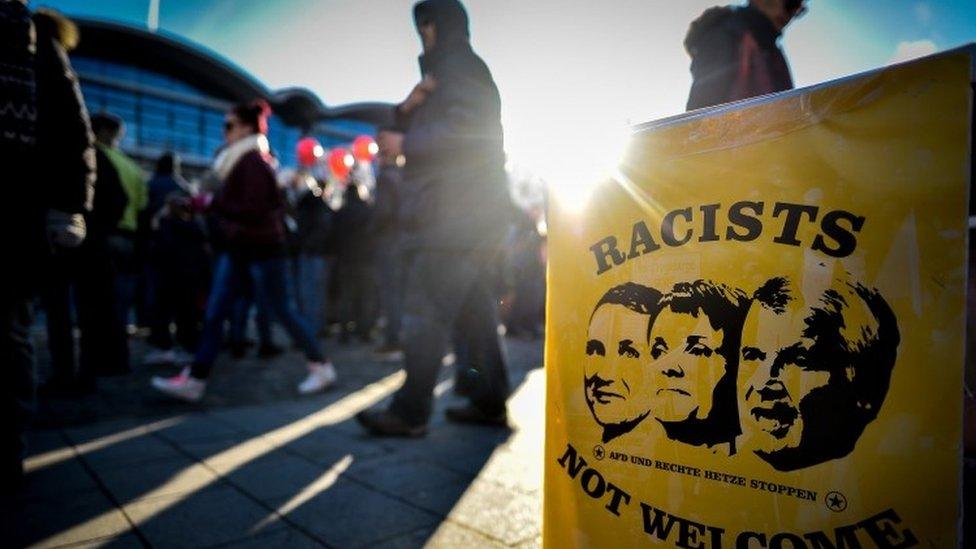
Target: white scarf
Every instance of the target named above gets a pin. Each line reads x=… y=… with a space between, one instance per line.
x=232 y=153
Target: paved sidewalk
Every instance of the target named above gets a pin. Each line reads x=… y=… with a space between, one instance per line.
x=282 y=471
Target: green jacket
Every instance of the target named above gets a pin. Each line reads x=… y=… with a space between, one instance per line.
x=133 y=183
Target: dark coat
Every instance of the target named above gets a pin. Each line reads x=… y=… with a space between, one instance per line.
x=455 y=194
x=385 y=221
x=734 y=55
x=249 y=209
x=109 y=203
x=161 y=186
x=179 y=251
x=64 y=134
x=49 y=161
x=314 y=221
x=353 y=237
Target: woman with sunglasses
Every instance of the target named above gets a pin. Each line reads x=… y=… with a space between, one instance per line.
x=249 y=211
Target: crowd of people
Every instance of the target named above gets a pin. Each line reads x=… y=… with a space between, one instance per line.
x=431 y=248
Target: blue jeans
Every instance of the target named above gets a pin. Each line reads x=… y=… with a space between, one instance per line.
x=311 y=288
x=269 y=277
x=241 y=314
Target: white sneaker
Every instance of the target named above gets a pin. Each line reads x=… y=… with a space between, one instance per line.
x=320 y=376
x=183 y=386
x=182 y=357
x=159 y=356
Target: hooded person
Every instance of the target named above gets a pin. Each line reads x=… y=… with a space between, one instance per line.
x=46 y=152
x=735 y=52
x=453 y=213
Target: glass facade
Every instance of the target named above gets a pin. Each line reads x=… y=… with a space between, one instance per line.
x=165 y=114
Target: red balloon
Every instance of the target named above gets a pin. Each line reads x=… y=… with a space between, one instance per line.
x=364 y=148
x=309 y=151
x=340 y=162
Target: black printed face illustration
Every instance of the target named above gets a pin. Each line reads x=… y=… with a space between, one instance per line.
x=812 y=375
x=615 y=371
x=694 y=341
x=685 y=365
x=777 y=374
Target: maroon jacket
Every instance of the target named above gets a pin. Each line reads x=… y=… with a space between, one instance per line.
x=249 y=209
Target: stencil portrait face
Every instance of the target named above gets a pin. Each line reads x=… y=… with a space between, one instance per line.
x=778 y=373
x=814 y=368
x=615 y=367
x=685 y=365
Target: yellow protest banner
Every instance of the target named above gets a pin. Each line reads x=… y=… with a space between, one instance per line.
x=756 y=326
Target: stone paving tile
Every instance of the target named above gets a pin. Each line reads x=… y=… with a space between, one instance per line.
x=133 y=451
x=124 y=541
x=224 y=454
x=514 y=470
x=403 y=478
x=57 y=522
x=256 y=420
x=275 y=476
x=40 y=442
x=58 y=479
x=200 y=428
x=286 y=537
x=440 y=500
x=465 y=457
x=498 y=512
x=446 y=535
x=347 y=514
x=534 y=543
x=88 y=433
x=165 y=477
x=213 y=516
x=326 y=445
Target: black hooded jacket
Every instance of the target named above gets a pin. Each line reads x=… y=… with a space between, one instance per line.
x=46 y=146
x=734 y=55
x=455 y=188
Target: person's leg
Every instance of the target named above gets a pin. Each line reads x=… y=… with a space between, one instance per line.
x=56 y=300
x=486 y=365
x=262 y=320
x=104 y=342
x=436 y=287
x=241 y=309
x=166 y=293
x=365 y=301
x=222 y=293
x=345 y=305
x=187 y=317
x=17 y=356
x=310 y=289
x=394 y=283
x=123 y=260
x=270 y=289
x=462 y=346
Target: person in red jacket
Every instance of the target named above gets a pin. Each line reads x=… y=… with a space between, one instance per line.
x=249 y=212
x=734 y=51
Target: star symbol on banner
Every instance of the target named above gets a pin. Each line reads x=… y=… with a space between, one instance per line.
x=599 y=452
x=836 y=501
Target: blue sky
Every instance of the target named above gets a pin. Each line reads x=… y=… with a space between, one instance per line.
x=567 y=71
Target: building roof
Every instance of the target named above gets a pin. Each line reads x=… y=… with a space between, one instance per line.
x=211 y=73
